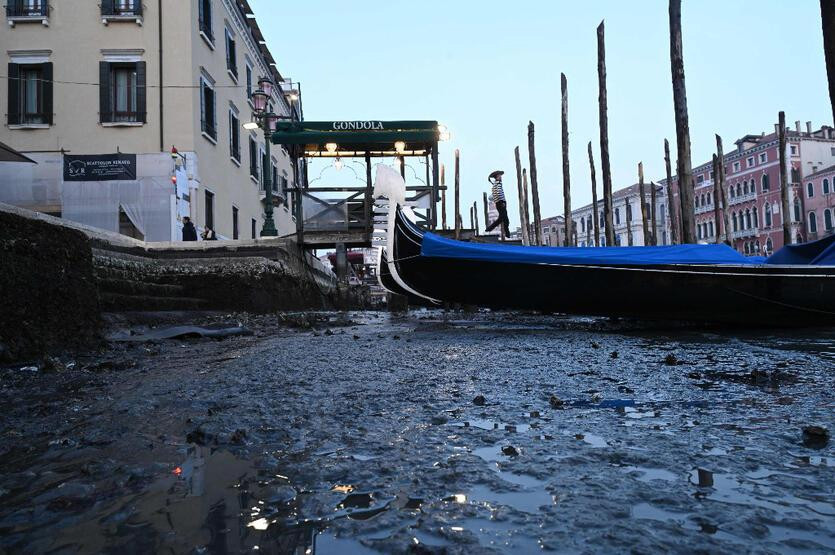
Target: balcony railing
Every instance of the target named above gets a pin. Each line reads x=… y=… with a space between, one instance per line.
x=703 y=209
x=742 y=198
x=743 y=233
x=115 y=8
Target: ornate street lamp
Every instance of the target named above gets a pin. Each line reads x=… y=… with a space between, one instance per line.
x=268 y=122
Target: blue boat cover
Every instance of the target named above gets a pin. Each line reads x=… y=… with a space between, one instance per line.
x=436 y=246
x=815 y=253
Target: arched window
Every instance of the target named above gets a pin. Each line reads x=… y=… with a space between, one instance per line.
x=767 y=214
x=825 y=186
x=699 y=231
x=745 y=187
x=738 y=190
x=827 y=219
x=582 y=225
x=602 y=221
x=736 y=225
x=710 y=198
x=755 y=214
x=747 y=219
x=710 y=229
x=769 y=245
x=765 y=182
x=617 y=216
x=810 y=190
x=747 y=249
x=796 y=209
x=757 y=246
x=731 y=189
x=813 y=222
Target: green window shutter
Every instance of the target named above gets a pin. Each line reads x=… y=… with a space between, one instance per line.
x=141 y=96
x=46 y=107
x=107 y=7
x=14 y=94
x=105 y=109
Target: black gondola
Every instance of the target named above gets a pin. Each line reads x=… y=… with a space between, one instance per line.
x=699 y=283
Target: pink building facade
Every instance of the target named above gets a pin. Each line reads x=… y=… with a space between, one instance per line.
x=753 y=191
x=819 y=194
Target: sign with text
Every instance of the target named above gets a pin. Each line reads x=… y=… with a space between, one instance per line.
x=100 y=167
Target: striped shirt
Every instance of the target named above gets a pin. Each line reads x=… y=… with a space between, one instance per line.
x=498 y=192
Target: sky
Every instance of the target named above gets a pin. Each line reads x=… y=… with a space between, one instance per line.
x=484 y=68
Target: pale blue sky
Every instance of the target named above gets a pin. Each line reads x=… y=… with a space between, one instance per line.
x=485 y=67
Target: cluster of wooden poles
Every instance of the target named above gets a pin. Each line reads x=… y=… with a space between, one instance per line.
x=681 y=205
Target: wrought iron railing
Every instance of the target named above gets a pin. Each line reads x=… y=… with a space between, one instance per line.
x=122 y=8
x=19 y=8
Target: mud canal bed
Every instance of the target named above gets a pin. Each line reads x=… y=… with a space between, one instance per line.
x=447 y=433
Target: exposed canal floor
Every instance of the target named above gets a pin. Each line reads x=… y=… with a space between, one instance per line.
x=432 y=433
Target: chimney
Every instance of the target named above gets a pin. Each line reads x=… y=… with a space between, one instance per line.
x=797 y=126
x=809 y=127
x=776 y=128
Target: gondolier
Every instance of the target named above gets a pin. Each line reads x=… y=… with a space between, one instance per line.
x=498 y=198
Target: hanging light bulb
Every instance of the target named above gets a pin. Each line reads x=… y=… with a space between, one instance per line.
x=400 y=146
x=338 y=164
x=331 y=147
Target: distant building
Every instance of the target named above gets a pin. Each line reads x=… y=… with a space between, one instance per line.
x=753 y=190
x=98 y=101
x=819 y=194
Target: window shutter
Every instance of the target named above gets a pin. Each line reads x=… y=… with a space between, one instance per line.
x=141 y=96
x=14 y=94
x=46 y=107
x=200 y=12
x=107 y=7
x=105 y=110
x=214 y=116
x=202 y=106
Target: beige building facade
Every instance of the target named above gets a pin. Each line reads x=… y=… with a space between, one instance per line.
x=99 y=92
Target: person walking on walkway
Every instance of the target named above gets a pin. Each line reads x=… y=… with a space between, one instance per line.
x=189 y=232
x=498 y=199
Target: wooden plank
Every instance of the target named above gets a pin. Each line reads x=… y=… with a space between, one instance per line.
x=644 y=215
x=566 y=170
x=683 y=164
x=602 y=102
x=784 y=180
x=594 y=213
x=537 y=215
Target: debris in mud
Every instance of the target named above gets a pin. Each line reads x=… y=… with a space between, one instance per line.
x=197 y=436
x=815 y=437
x=328 y=332
x=613 y=354
x=671 y=360
x=556 y=402
x=238 y=437
x=510 y=451
x=595 y=345
x=479 y=400
x=183 y=332
x=704 y=478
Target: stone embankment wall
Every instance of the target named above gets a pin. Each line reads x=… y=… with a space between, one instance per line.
x=56 y=277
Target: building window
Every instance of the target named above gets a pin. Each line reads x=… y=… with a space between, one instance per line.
x=766 y=183
x=253 y=228
x=731 y=189
x=736 y=167
x=756 y=215
x=763 y=157
x=736 y=222
x=248 y=81
x=274 y=177
x=27 y=8
x=738 y=190
x=700 y=178
x=122 y=97
x=767 y=214
x=810 y=190
x=750 y=161
x=210 y=210
x=208 y=113
x=710 y=229
x=235 y=231
x=253 y=158
x=617 y=216
x=121 y=7
x=231 y=55
x=769 y=245
x=747 y=219
x=796 y=209
x=30 y=94
x=745 y=187
x=793 y=150
x=234 y=135
x=813 y=223
x=825 y=186
x=205 y=20
x=827 y=219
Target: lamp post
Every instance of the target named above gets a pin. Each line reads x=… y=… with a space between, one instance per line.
x=267 y=121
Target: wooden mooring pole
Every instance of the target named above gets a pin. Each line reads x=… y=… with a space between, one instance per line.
x=627 y=207
x=653 y=213
x=566 y=169
x=486 y=213
x=522 y=201
x=594 y=213
x=475 y=216
x=457 y=195
x=719 y=180
x=784 y=180
x=683 y=164
x=828 y=25
x=443 y=197
x=673 y=200
x=602 y=101
x=644 y=215
x=537 y=215
x=717 y=205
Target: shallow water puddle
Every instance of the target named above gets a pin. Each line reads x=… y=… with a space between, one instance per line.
x=532 y=496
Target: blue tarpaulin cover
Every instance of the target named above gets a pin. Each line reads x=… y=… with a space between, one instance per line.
x=436 y=246
x=815 y=253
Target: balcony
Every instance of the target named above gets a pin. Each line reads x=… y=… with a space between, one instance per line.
x=30 y=11
x=742 y=198
x=745 y=233
x=121 y=10
x=703 y=209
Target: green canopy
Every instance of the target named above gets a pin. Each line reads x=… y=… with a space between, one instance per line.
x=420 y=137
